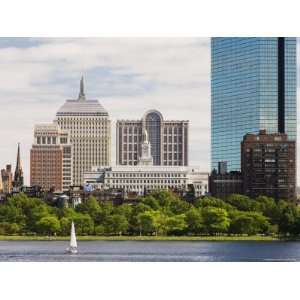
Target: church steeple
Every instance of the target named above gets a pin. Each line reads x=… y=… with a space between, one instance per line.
x=81 y=95
x=18 y=178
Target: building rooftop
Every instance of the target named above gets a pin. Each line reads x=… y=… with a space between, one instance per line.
x=81 y=106
x=143 y=168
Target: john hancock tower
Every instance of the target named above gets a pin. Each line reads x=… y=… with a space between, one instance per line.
x=253 y=87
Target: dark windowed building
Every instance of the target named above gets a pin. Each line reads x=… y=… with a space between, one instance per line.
x=168 y=139
x=253 y=87
x=223 y=184
x=269 y=165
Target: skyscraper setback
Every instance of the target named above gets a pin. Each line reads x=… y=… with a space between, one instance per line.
x=90 y=133
x=253 y=87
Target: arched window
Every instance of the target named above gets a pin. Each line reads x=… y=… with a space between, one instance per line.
x=153 y=121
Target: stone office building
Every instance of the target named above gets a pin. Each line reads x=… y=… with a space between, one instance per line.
x=169 y=140
x=269 y=165
x=88 y=124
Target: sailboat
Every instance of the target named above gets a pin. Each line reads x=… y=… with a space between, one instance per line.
x=73 y=242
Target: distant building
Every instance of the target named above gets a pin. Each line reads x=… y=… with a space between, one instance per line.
x=7 y=179
x=32 y=191
x=222 y=185
x=253 y=87
x=269 y=165
x=90 y=133
x=18 y=176
x=169 y=140
x=141 y=179
x=51 y=158
x=222 y=167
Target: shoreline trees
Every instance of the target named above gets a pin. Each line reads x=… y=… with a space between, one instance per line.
x=161 y=213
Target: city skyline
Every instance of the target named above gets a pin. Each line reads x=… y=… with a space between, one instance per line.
x=171 y=75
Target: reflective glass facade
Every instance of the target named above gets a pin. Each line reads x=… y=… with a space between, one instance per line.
x=253 y=87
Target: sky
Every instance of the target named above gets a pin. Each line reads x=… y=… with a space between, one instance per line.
x=127 y=75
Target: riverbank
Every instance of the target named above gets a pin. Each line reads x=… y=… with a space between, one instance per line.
x=139 y=238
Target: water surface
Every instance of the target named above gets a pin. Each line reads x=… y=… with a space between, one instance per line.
x=151 y=251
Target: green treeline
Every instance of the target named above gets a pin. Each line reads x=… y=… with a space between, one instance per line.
x=160 y=213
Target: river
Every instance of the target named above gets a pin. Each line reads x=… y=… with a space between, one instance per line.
x=151 y=251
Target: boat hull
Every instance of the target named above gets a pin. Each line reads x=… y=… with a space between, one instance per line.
x=71 y=250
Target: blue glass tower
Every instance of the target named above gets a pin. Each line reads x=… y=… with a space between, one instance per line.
x=253 y=87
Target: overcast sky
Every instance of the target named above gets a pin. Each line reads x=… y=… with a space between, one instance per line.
x=127 y=75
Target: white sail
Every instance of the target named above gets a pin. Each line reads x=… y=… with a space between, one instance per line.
x=73 y=241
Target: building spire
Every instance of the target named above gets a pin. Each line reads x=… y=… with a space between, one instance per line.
x=81 y=91
x=18 y=164
x=18 y=178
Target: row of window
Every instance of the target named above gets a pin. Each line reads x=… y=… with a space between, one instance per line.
x=125 y=175
x=141 y=181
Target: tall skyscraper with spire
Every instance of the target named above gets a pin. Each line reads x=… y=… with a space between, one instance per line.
x=18 y=176
x=88 y=124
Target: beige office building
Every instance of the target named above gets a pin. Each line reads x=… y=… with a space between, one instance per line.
x=90 y=133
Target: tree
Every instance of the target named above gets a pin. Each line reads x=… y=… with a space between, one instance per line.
x=145 y=221
x=194 y=221
x=178 y=206
x=249 y=223
x=215 y=220
x=92 y=206
x=241 y=202
x=153 y=221
x=212 y=202
x=106 y=209
x=134 y=222
x=36 y=214
x=9 y=228
x=268 y=207
x=151 y=201
x=124 y=210
x=164 y=197
x=48 y=225
x=84 y=224
x=175 y=224
x=288 y=218
x=12 y=214
x=99 y=230
x=116 y=224
x=65 y=226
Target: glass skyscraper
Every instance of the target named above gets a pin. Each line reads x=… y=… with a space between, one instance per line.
x=253 y=87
